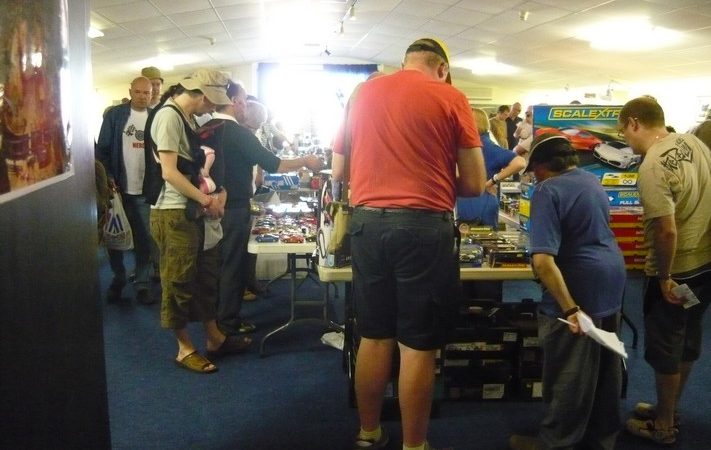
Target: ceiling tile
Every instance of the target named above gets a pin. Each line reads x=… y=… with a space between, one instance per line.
x=168 y=7
x=443 y=29
x=129 y=11
x=491 y=8
x=204 y=16
x=148 y=25
x=420 y=8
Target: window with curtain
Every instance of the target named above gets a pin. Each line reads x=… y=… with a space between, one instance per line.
x=308 y=100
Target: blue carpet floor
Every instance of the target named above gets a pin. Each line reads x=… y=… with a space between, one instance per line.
x=296 y=397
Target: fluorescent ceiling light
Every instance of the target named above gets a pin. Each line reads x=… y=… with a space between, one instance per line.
x=94 y=33
x=630 y=34
x=488 y=66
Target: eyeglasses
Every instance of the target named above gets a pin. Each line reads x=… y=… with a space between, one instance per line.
x=621 y=131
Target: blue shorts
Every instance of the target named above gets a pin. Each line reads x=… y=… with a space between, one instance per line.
x=405 y=275
x=673 y=334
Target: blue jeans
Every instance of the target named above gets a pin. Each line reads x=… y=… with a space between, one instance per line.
x=138 y=212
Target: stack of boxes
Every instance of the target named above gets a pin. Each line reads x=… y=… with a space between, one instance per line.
x=626 y=216
x=493 y=353
x=626 y=224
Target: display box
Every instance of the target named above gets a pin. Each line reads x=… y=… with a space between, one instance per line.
x=476 y=390
x=524 y=207
x=628 y=233
x=509 y=258
x=636 y=246
x=281 y=181
x=530 y=389
x=623 y=197
x=624 y=217
x=482 y=342
x=478 y=369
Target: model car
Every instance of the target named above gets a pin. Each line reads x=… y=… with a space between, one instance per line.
x=261 y=229
x=267 y=237
x=616 y=154
x=292 y=239
x=579 y=138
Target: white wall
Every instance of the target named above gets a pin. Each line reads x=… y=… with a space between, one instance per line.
x=680 y=99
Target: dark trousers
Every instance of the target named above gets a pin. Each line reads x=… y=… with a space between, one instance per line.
x=582 y=383
x=236 y=227
x=138 y=212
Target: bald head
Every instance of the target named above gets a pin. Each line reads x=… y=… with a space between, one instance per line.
x=140 y=92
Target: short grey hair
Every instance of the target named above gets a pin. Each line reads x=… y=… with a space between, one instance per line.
x=256 y=113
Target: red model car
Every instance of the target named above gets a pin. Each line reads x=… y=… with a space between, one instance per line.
x=579 y=138
x=292 y=239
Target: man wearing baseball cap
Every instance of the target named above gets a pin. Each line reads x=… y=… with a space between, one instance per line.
x=404 y=136
x=582 y=272
x=153 y=74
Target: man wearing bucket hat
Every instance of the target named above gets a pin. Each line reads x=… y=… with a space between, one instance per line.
x=153 y=74
x=189 y=274
x=404 y=136
x=582 y=271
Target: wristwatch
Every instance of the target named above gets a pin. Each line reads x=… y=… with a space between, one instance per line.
x=494 y=180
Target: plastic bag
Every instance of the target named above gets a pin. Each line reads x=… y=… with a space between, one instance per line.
x=117 y=230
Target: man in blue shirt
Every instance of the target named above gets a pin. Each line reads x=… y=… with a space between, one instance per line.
x=582 y=271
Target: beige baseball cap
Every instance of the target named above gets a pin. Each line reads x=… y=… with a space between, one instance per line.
x=212 y=83
x=152 y=73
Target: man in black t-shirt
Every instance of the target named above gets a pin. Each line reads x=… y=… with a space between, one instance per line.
x=241 y=151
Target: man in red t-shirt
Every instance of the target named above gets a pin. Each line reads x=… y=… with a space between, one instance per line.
x=413 y=147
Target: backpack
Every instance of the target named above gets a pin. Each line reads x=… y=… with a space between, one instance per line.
x=153 y=179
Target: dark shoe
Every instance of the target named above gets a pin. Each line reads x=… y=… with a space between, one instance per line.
x=646 y=429
x=246 y=327
x=144 y=297
x=195 y=362
x=249 y=296
x=230 y=346
x=114 y=293
x=361 y=443
x=521 y=442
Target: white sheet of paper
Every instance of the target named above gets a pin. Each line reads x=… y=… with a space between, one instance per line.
x=605 y=338
x=687 y=294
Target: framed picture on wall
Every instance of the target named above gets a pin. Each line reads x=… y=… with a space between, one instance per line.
x=34 y=99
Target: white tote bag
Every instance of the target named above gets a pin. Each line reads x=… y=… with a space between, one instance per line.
x=117 y=230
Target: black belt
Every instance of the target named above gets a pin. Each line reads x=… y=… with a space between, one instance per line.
x=446 y=215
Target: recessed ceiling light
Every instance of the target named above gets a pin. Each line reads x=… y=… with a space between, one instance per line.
x=94 y=33
x=630 y=34
x=488 y=66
